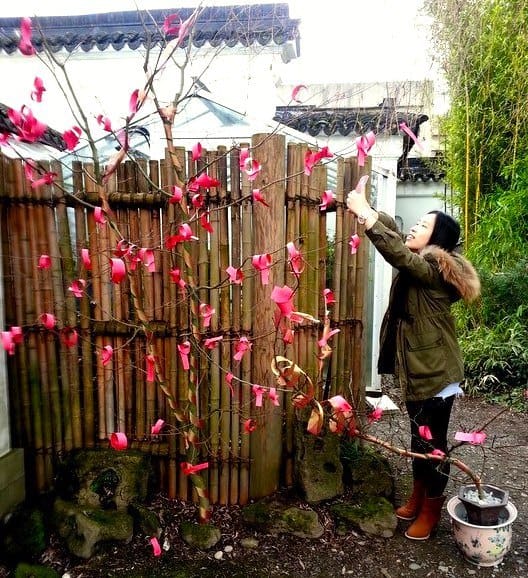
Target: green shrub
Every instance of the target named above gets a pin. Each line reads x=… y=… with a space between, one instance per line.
x=494 y=337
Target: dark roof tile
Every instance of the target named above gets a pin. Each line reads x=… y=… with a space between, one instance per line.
x=232 y=25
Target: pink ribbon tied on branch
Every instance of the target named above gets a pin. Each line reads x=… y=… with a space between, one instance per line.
x=262 y=263
x=235 y=275
x=69 y=337
x=119 y=441
x=44 y=262
x=106 y=354
x=327 y=198
x=283 y=297
x=150 y=361
x=38 y=89
x=242 y=346
x=295 y=259
x=206 y=312
x=184 y=349
x=189 y=469
x=312 y=158
x=363 y=144
x=25 y=45
x=425 y=432
x=474 y=437
x=86 y=260
x=258 y=392
x=411 y=135
x=157 y=427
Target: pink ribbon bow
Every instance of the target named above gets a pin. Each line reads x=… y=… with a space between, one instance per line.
x=364 y=143
x=262 y=263
x=184 y=349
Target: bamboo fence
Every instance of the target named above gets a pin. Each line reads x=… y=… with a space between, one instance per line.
x=63 y=397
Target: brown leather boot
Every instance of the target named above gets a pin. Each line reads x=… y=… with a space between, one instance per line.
x=427 y=519
x=410 y=510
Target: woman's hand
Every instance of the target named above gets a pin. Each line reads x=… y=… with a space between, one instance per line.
x=356 y=200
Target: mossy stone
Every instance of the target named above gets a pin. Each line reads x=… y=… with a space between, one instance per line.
x=202 y=536
x=24 y=570
x=374 y=515
x=25 y=535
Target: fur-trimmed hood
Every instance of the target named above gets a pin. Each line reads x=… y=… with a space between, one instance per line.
x=456 y=270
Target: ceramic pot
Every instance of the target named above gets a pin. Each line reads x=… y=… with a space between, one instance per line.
x=481 y=545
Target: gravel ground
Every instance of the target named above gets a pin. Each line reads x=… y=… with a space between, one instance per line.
x=503 y=463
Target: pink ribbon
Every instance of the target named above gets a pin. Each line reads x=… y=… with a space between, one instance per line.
x=99 y=216
x=242 y=346
x=175 y=278
x=7 y=342
x=425 y=432
x=188 y=468
x=156 y=549
x=77 y=287
x=25 y=46
x=184 y=349
x=375 y=415
x=258 y=392
x=283 y=297
x=262 y=263
x=250 y=425
x=156 y=428
x=274 y=396
x=16 y=334
x=69 y=336
x=147 y=256
x=329 y=298
x=354 y=242
x=295 y=92
x=364 y=143
x=206 y=312
x=86 y=260
x=295 y=259
x=474 y=438
x=48 y=320
x=196 y=151
x=118 y=441
x=205 y=181
x=106 y=354
x=177 y=195
x=118 y=270
x=44 y=262
x=205 y=223
x=235 y=275
x=259 y=197
x=212 y=342
x=151 y=368
x=326 y=199
x=411 y=135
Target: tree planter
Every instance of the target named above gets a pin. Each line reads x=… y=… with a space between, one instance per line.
x=481 y=545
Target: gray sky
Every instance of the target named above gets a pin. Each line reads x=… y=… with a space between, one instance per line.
x=341 y=40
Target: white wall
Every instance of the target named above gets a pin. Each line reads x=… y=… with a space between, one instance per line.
x=4 y=397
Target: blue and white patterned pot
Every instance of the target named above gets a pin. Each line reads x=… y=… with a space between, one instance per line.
x=481 y=545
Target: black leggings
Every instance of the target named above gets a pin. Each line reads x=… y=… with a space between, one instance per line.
x=435 y=413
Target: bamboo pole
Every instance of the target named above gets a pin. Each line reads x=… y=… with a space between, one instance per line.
x=294 y=170
x=88 y=421
x=60 y=235
x=243 y=371
x=233 y=323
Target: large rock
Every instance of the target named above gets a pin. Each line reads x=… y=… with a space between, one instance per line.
x=275 y=518
x=202 y=536
x=318 y=469
x=84 y=527
x=104 y=478
x=366 y=471
x=373 y=515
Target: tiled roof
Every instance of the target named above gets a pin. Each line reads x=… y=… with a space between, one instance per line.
x=423 y=169
x=51 y=137
x=230 y=25
x=345 y=121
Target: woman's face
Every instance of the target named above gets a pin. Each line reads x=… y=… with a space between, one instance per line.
x=420 y=233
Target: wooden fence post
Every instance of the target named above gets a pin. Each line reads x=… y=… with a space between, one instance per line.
x=268 y=237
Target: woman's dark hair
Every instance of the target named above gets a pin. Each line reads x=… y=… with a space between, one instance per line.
x=446 y=232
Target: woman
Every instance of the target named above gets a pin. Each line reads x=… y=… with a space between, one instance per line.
x=418 y=342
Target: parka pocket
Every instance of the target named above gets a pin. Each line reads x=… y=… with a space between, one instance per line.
x=425 y=354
